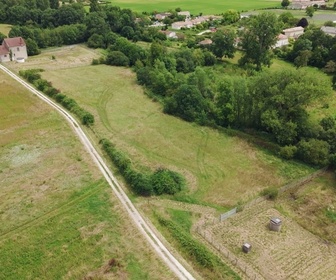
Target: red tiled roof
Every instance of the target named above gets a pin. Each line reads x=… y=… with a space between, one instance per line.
x=14 y=42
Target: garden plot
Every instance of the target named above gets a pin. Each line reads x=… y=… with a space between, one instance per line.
x=292 y=253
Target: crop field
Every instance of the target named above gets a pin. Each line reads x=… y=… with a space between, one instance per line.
x=292 y=253
x=221 y=170
x=195 y=7
x=59 y=219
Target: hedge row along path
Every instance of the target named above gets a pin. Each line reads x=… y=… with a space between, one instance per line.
x=180 y=271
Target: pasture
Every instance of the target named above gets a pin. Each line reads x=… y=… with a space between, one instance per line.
x=195 y=7
x=221 y=170
x=59 y=219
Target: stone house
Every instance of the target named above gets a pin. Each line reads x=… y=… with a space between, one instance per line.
x=293 y=32
x=13 y=49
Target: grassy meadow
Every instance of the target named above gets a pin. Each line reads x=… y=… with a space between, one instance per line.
x=221 y=170
x=59 y=218
x=195 y=7
x=5 y=28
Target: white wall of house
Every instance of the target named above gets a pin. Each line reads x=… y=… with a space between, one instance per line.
x=4 y=58
x=19 y=52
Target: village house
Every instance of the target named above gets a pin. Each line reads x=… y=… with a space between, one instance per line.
x=282 y=40
x=184 y=13
x=169 y=34
x=205 y=42
x=162 y=16
x=13 y=49
x=293 y=32
x=303 y=4
x=329 y=30
x=182 y=24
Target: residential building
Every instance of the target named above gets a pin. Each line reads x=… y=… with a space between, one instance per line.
x=13 y=49
x=293 y=32
x=329 y=30
x=282 y=41
x=162 y=16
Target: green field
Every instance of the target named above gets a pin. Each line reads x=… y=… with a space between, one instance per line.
x=59 y=219
x=196 y=7
x=5 y=28
x=221 y=170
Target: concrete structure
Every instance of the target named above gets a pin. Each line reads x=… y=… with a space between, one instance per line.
x=329 y=30
x=293 y=32
x=246 y=247
x=275 y=224
x=13 y=49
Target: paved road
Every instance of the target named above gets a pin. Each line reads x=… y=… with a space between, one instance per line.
x=147 y=232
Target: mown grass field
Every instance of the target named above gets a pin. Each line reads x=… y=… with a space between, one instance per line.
x=195 y=7
x=59 y=219
x=221 y=170
x=5 y=28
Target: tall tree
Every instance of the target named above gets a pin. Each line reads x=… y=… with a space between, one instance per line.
x=54 y=4
x=258 y=38
x=223 y=43
x=94 y=6
x=310 y=11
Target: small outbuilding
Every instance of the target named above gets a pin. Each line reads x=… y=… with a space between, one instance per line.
x=246 y=247
x=275 y=224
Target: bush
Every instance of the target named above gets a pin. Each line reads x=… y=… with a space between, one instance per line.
x=271 y=193
x=117 y=58
x=288 y=152
x=166 y=181
x=314 y=151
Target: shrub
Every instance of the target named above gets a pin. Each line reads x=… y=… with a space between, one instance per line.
x=166 y=181
x=288 y=152
x=117 y=58
x=314 y=151
x=271 y=193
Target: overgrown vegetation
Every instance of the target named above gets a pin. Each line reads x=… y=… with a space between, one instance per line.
x=46 y=87
x=161 y=181
x=198 y=252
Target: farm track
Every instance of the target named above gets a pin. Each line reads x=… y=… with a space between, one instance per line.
x=52 y=213
x=149 y=234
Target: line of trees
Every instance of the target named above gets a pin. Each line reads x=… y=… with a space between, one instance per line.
x=161 y=181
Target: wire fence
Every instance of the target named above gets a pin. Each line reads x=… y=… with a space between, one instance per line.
x=225 y=253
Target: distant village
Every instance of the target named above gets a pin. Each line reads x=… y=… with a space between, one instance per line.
x=283 y=38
